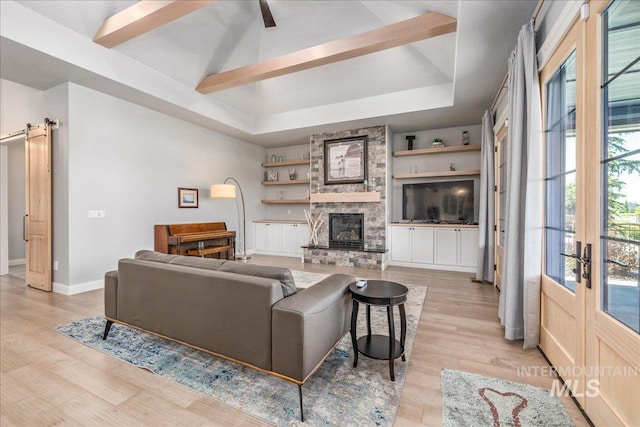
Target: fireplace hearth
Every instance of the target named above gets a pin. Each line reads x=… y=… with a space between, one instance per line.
x=346 y=230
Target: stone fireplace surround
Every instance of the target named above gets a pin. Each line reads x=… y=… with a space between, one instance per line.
x=373 y=254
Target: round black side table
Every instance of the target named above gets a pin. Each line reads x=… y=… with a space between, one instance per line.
x=385 y=294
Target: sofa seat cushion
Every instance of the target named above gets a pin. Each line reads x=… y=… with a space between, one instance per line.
x=283 y=275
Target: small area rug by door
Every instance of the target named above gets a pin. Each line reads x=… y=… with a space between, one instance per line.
x=335 y=393
x=474 y=400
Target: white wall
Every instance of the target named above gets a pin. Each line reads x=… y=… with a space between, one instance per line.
x=16 y=201
x=433 y=163
x=19 y=105
x=129 y=161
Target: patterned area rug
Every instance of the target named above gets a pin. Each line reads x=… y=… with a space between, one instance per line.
x=474 y=400
x=335 y=393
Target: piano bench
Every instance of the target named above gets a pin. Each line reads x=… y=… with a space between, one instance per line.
x=209 y=251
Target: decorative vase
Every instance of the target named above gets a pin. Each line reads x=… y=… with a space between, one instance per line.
x=292 y=174
x=410 y=139
x=280 y=158
x=465 y=138
x=274 y=158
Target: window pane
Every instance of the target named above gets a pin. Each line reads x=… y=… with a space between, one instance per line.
x=621 y=165
x=623 y=34
x=560 y=175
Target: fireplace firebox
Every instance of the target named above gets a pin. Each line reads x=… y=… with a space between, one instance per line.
x=346 y=230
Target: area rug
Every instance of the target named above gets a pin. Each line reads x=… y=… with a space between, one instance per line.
x=334 y=394
x=474 y=400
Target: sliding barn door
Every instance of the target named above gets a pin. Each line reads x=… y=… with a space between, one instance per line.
x=37 y=222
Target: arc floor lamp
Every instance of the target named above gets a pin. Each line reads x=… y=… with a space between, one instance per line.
x=228 y=191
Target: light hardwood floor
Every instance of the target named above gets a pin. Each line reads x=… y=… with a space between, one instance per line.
x=48 y=379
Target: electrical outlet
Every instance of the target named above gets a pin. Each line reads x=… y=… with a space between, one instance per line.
x=55 y=265
x=97 y=214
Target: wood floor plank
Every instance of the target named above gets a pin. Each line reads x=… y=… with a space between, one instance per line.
x=458 y=329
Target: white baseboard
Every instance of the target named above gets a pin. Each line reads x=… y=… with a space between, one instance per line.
x=14 y=262
x=63 y=289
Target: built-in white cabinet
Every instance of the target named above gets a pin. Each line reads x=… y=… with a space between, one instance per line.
x=456 y=246
x=294 y=236
x=435 y=247
x=281 y=238
x=412 y=244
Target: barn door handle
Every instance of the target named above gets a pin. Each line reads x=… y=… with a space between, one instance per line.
x=24 y=228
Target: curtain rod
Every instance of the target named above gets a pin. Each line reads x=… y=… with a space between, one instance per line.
x=536 y=12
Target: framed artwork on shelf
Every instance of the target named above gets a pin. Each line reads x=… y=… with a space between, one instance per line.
x=345 y=160
x=187 y=197
x=272 y=175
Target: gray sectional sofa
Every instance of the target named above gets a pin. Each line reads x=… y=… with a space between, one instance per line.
x=250 y=314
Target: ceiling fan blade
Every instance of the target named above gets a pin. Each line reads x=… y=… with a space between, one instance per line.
x=267 y=17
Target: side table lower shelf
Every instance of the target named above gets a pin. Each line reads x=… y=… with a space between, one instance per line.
x=377 y=347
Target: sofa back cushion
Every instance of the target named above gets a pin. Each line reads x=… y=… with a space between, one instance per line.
x=283 y=275
x=206 y=263
x=148 y=255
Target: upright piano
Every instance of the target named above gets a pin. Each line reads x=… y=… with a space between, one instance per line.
x=204 y=239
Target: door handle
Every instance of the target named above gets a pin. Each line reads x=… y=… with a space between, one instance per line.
x=586 y=261
x=24 y=228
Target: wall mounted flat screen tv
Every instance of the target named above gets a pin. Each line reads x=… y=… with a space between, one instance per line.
x=439 y=201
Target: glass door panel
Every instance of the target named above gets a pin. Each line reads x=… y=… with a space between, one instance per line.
x=560 y=175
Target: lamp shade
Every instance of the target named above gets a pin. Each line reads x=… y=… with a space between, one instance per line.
x=222 y=191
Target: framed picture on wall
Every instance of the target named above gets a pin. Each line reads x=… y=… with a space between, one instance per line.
x=187 y=197
x=345 y=160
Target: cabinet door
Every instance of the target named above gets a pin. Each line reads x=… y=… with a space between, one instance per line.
x=290 y=238
x=261 y=236
x=401 y=244
x=274 y=237
x=422 y=239
x=446 y=246
x=467 y=247
x=302 y=237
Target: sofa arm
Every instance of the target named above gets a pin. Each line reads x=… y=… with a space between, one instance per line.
x=111 y=294
x=308 y=324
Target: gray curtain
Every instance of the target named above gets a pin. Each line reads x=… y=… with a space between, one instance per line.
x=519 y=309
x=486 y=220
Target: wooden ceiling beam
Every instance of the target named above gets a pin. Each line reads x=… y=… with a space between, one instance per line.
x=143 y=17
x=412 y=30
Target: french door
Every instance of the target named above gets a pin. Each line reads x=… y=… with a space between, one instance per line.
x=590 y=319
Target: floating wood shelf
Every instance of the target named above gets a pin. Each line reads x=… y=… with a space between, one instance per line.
x=290 y=182
x=286 y=163
x=437 y=150
x=286 y=202
x=360 y=197
x=434 y=174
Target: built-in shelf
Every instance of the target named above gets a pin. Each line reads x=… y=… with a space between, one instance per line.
x=434 y=174
x=359 y=197
x=286 y=163
x=283 y=182
x=280 y=221
x=286 y=202
x=437 y=150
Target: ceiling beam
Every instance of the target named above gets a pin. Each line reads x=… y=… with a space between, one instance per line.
x=415 y=29
x=143 y=17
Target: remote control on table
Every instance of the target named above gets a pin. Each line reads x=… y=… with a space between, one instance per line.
x=361 y=283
